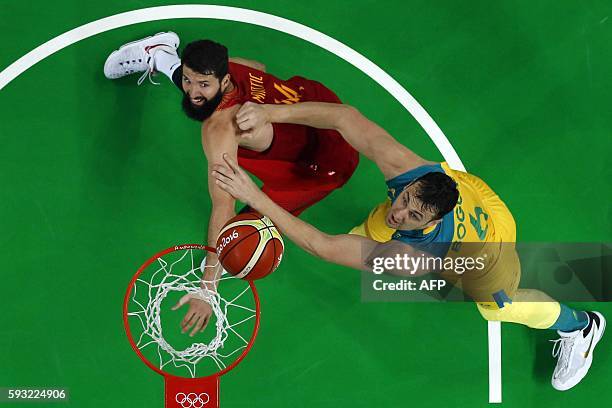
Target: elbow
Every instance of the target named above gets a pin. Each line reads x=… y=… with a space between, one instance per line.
x=350 y=111
x=322 y=248
x=313 y=243
x=348 y=114
x=315 y=250
x=321 y=254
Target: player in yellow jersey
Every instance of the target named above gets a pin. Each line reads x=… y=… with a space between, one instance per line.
x=430 y=210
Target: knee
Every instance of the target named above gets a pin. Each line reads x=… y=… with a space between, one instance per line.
x=537 y=315
x=489 y=310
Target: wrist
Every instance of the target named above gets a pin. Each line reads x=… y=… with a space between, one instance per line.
x=206 y=295
x=211 y=274
x=211 y=258
x=257 y=201
x=272 y=113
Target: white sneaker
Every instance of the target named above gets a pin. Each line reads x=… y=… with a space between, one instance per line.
x=137 y=56
x=575 y=352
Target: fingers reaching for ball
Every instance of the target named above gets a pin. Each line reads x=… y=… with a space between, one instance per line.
x=197 y=315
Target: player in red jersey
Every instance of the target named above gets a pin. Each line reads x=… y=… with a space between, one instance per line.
x=298 y=165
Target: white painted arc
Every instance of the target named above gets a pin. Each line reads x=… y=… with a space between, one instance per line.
x=245 y=16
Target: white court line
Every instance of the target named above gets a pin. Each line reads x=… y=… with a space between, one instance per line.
x=495 y=363
x=245 y=16
x=257 y=18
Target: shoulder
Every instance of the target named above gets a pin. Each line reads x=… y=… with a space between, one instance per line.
x=221 y=119
x=220 y=130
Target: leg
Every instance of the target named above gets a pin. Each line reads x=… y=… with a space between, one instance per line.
x=155 y=53
x=579 y=331
x=177 y=77
x=530 y=307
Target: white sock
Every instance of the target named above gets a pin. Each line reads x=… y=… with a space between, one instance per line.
x=166 y=61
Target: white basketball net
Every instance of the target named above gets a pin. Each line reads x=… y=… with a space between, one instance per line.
x=158 y=285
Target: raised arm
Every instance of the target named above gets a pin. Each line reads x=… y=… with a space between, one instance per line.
x=391 y=157
x=218 y=137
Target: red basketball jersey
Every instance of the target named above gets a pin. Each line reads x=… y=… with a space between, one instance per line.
x=303 y=164
x=260 y=87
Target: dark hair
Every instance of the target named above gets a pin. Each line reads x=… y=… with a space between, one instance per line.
x=438 y=193
x=206 y=57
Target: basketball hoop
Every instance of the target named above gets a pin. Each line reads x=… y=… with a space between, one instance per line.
x=174 y=272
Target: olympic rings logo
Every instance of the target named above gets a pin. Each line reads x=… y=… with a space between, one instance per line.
x=192 y=400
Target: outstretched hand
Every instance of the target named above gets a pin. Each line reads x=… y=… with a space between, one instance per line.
x=197 y=316
x=235 y=181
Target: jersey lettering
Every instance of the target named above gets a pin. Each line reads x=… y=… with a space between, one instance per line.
x=291 y=96
x=258 y=91
x=476 y=222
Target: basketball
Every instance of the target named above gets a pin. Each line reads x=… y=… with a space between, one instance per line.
x=249 y=246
